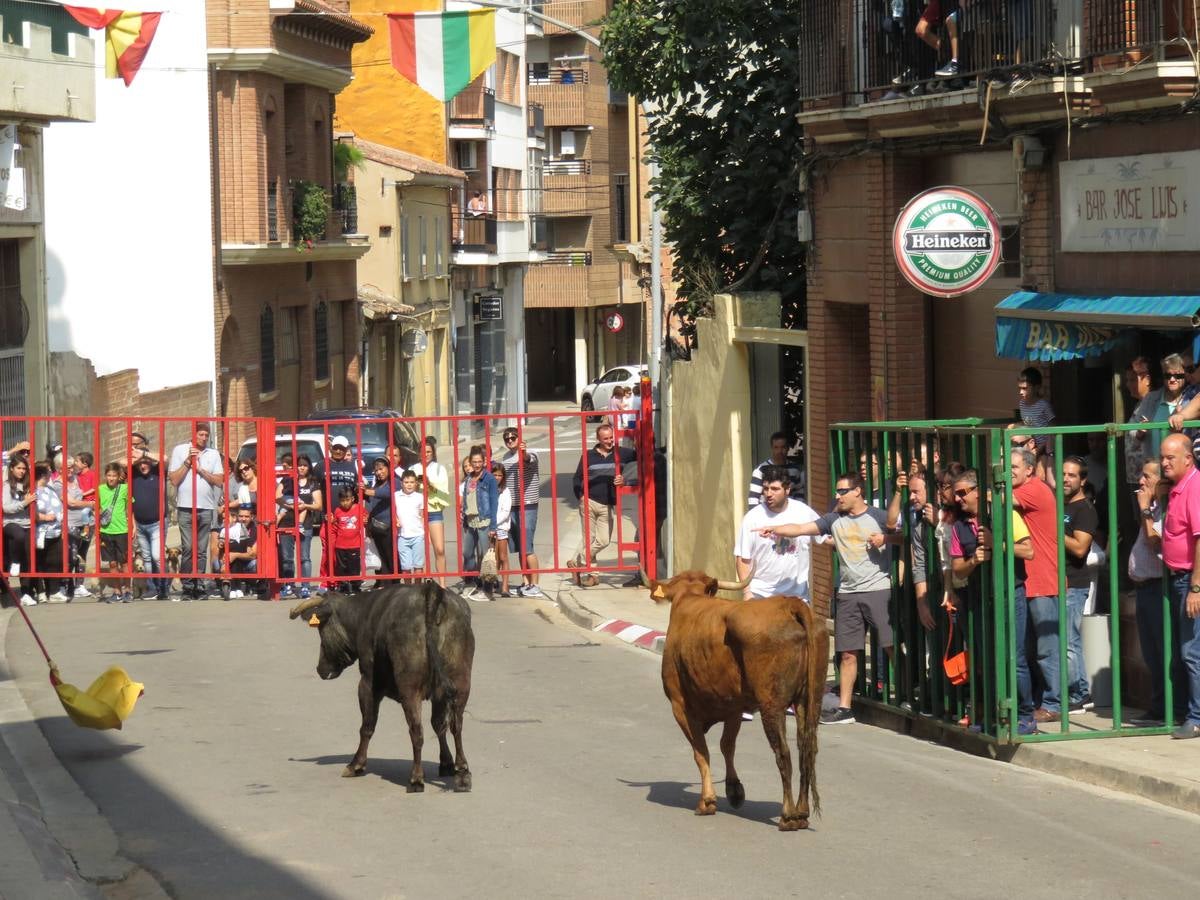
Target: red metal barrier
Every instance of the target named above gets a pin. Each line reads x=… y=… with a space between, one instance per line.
x=202 y=483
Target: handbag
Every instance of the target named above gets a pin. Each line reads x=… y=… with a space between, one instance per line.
x=958 y=665
x=487 y=566
x=106 y=514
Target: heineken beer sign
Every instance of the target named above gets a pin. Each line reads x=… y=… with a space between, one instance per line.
x=947 y=241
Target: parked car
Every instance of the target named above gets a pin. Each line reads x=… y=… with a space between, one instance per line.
x=597 y=394
x=312 y=441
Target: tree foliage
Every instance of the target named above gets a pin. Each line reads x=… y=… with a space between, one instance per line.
x=721 y=79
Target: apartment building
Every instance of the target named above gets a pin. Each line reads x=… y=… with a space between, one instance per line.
x=47 y=75
x=1072 y=120
x=587 y=212
x=287 y=323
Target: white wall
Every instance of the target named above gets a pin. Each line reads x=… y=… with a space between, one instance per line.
x=509 y=144
x=129 y=216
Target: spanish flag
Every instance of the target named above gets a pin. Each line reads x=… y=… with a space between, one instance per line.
x=127 y=37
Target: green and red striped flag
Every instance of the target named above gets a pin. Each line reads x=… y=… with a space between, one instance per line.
x=443 y=52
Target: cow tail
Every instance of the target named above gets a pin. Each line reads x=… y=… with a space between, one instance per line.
x=441 y=687
x=817 y=666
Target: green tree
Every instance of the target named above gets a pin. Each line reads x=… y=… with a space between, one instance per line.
x=721 y=77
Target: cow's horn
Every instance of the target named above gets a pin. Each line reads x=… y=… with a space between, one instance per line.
x=645 y=577
x=304 y=606
x=736 y=585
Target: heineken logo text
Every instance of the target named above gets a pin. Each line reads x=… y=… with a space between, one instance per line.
x=917 y=241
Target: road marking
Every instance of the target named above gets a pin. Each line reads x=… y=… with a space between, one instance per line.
x=630 y=633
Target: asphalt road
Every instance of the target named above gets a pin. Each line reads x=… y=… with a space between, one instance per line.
x=226 y=781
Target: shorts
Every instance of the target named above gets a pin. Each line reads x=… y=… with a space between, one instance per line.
x=932 y=14
x=502 y=534
x=114 y=548
x=411 y=553
x=436 y=515
x=524 y=527
x=855 y=612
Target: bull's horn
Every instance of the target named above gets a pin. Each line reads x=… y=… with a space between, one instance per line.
x=736 y=585
x=304 y=606
x=645 y=577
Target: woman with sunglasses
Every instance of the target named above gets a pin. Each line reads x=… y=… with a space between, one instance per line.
x=245 y=474
x=17 y=499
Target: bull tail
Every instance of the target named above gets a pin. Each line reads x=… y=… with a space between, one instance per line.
x=441 y=687
x=808 y=704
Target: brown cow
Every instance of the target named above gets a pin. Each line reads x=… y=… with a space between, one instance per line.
x=725 y=657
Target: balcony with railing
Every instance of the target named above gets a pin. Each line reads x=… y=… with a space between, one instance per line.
x=555 y=167
x=561 y=281
x=561 y=89
x=863 y=70
x=575 y=13
x=474 y=106
x=473 y=233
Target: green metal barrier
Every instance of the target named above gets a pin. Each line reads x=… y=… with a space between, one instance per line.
x=913 y=682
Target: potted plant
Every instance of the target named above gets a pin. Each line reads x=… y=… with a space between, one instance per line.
x=310 y=212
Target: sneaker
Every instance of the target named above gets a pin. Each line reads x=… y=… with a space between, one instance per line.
x=892 y=95
x=41 y=597
x=26 y=600
x=1041 y=714
x=305 y=593
x=81 y=591
x=1026 y=726
x=840 y=716
x=285 y=592
x=1185 y=731
x=904 y=77
x=918 y=90
x=178 y=598
x=1087 y=702
x=58 y=597
x=126 y=597
x=1079 y=707
x=226 y=593
x=513 y=592
x=949 y=70
x=532 y=590
x=747 y=717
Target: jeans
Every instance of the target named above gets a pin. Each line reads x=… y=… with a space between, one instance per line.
x=1024 y=683
x=1077 y=680
x=287 y=555
x=1043 y=613
x=1150 y=636
x=147 y=539
x=1187 y=643
x=203 y=522
x=474 y=545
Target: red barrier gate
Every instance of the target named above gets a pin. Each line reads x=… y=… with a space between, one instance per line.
x=182 y=494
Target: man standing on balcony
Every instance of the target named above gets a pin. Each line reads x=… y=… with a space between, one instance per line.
x=1181 y=555
x=477 y=205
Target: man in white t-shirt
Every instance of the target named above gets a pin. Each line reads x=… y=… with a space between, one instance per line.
x=780 y=563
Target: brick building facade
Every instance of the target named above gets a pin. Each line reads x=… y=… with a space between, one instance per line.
x=287 y=325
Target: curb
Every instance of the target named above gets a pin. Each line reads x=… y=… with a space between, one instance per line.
x=62 y=813
x=631 y=633
x=1049 y=759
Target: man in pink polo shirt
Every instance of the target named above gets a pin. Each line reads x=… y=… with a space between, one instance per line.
x=1181 y=555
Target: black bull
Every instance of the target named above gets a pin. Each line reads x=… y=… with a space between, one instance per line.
x=412 y=643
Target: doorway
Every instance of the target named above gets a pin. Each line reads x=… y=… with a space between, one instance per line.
x=550 y=353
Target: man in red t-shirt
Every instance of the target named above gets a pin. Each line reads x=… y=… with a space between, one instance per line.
x=348 y=539
x=1036 y=503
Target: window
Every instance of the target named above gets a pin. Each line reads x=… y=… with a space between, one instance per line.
x=273 y=211
x=508 y=89
x=465 y=156
x=533 y=202
x=336 y=348
x=439 y=265
x=266 y=349
x=620 y=223
x=289 y=336
x=321 y=341
x=424 y=240
x=405 y=271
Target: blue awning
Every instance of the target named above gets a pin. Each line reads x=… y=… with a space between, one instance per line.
x=1052 y=327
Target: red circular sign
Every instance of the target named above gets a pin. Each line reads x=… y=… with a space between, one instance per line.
x=614 y=322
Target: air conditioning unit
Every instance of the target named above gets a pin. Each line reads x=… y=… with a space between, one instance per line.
x=464 y=156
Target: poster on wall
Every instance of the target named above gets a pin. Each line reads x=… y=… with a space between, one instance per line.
x=1130 y=204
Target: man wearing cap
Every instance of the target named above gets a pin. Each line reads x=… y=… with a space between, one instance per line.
x=338 y=472
x=196 y=472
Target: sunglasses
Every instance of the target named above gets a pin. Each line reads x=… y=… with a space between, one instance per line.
x=244 y=469
x=841 y=492
x=963 y=492
x=1174 y=376
x=509 y=438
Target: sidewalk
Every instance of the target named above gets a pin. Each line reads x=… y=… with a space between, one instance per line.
x=1155 y=768
x=54 y=843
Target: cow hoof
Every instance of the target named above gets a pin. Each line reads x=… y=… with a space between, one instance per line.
x=462 y=783
x=707 y=807
x=792 y=823
x=445 y=770
x=354 y=772
x=735 y=793
x=416 y=787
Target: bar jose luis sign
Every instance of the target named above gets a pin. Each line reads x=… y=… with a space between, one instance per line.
x=947 y=241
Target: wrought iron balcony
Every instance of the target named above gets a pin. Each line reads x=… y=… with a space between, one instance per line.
x=474 y=106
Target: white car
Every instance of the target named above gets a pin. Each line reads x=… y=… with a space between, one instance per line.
x=597 y=394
